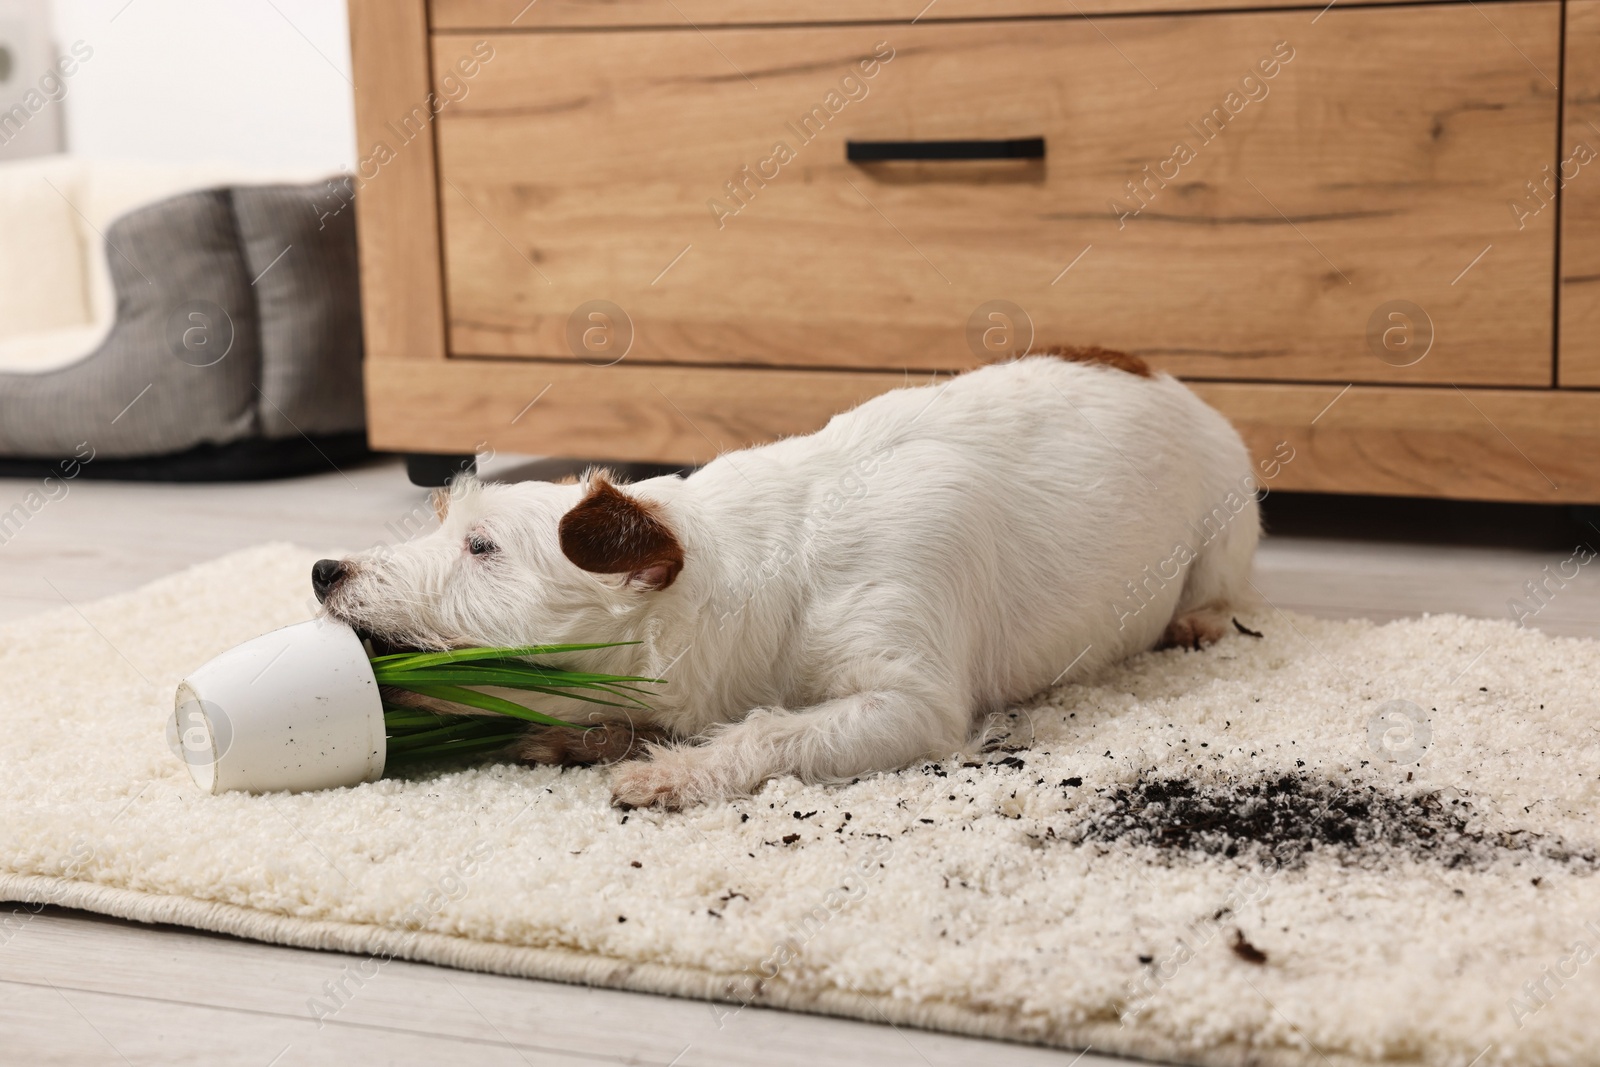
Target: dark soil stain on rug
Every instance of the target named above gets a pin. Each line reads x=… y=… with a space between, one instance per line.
x=1280 y=820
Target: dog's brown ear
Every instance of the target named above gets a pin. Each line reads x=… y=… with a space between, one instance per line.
x=440 y=499
x=610 y=532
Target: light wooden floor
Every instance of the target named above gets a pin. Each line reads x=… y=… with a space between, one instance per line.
x=80 y=989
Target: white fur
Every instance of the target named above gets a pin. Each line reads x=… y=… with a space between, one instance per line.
x=859 y=598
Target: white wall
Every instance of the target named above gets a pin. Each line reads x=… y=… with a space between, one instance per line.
x=30 y=120
x=257 y=83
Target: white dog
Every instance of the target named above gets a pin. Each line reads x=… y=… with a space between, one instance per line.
x=847 y=602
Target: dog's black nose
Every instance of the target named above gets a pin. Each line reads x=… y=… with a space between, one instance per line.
x=325 y=574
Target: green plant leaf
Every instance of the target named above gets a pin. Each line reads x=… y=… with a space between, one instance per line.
x=458 y=655
x=556 y=685
x=496 y=673
x=474 y=699
x=468 y=730
x=448 y=750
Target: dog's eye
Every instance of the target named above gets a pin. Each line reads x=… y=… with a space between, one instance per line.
x=480 y=545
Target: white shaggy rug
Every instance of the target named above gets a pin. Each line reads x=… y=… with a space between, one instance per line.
x=1247 y=855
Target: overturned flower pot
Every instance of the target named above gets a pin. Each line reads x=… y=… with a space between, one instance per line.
x=302 y=707
x=294 y=709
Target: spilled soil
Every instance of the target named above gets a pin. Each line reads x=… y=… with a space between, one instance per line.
x=1280 y=820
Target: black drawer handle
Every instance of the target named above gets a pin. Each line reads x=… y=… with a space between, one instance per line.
x=887 y=151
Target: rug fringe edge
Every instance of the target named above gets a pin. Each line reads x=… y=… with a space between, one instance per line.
x=579 y=968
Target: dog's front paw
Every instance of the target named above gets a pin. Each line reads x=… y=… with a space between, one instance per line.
x=673 y=777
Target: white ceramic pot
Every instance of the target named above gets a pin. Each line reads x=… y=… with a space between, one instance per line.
x=291 y=710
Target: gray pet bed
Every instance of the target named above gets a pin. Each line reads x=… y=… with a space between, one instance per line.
x=235 y=349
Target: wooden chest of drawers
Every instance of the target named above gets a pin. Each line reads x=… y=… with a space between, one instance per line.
x=658 y=229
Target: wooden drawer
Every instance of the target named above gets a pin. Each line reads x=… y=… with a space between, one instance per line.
x=544 y=14
x=1371 y=167
x=1576 y=181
